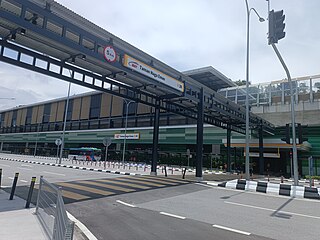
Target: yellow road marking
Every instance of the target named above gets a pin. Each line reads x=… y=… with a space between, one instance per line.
x=69 y=194
x=165 y=179
x=88 y=189
x=73 y=195
x=155 y=180
x=124 y=184
x=142 y=181
x=107 y=186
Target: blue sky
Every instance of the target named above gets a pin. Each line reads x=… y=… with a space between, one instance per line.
x=188 y=34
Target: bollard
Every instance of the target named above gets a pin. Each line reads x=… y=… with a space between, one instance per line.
x=145 y=167
x=184 y=173
x=281 y=179
x=162 y=170
x=172 y=169
x=13 y=189
x=268 y=178
x=33 y=180
x=165 y=171
x=0 y=176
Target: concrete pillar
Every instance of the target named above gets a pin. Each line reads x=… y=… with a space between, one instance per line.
x=228 y=148
x=1 y=146
x=155 y=140
x=200 y=137
x=261 y=158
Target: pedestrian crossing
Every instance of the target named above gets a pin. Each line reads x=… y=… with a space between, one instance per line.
x=91 y=189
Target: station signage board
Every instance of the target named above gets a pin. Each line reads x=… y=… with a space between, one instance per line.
x=150 y=72
x=110 y=54
x=130 y=136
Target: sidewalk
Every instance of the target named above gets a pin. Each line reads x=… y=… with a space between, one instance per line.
x=17 y=222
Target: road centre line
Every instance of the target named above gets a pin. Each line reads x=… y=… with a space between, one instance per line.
x=24 y=168
x=231 y=229
x=25 y=165
x=126 y=204
x=60 y=174
x=172 y=215
x=4 y=165
x=272 y=210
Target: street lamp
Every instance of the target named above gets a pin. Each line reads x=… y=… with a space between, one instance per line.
x=125 y=128
x=65 y=121
x=247 y=88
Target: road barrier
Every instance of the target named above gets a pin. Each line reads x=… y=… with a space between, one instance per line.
x=184 y=173
x=51 y=212
x=33 y=180
x=14 y=184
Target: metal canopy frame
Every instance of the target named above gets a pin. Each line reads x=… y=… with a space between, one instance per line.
x=51 y=38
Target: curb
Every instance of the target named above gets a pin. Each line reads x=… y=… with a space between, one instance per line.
x=273 y=188
x=74 y=167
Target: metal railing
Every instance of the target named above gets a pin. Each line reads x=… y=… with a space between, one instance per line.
x=51 y=212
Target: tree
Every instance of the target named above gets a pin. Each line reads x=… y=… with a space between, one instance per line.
x=241 y=82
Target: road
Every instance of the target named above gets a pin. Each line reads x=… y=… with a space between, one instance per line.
x=144 y=207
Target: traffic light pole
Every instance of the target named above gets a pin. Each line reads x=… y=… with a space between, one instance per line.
x=294 y=140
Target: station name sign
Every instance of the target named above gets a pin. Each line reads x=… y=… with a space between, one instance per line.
x=150 y=72
x=132 y=136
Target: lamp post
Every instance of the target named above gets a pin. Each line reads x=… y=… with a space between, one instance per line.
x=125 y=128
x=65 y=121
x=247 y=88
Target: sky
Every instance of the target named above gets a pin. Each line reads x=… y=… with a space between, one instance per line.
x=188 y=34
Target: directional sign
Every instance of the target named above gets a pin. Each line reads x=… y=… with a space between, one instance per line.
x=107 y=141
x=58 y=142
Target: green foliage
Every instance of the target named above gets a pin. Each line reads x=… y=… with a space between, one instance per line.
x=313 y=177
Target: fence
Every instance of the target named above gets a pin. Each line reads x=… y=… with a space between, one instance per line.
x=51 y=212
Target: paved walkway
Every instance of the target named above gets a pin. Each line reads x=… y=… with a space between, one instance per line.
x=17 y=222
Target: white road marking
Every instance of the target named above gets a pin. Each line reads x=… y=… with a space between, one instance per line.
x=82 y=227
x=126 y=204
x=60 y=174
x=25 y=168
x=23 y=181
x=272 y=210
x=5 y=165
x=231 y=230
x=11 y=178
x=172 y=215
x=24 y=165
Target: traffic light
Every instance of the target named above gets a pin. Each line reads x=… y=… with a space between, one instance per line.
x=276 y=26
x=287 y=132
x=301 y=139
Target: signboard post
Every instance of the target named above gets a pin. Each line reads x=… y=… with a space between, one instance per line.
x=188 y=154
x=106 y=142
x=58 y=142
x=310 y=169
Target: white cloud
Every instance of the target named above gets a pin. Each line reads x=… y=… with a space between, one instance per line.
x=187 y=34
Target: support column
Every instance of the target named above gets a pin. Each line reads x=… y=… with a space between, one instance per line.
x=200 y=137
x=261 y=158
x=155 y=140
x=228 y=148
x=1 y=146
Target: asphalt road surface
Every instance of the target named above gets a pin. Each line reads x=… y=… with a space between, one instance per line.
x=145 y=207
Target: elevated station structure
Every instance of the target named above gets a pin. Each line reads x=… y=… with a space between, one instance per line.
x=45 y=37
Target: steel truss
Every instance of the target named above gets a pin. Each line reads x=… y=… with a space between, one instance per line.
x=218 y=110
